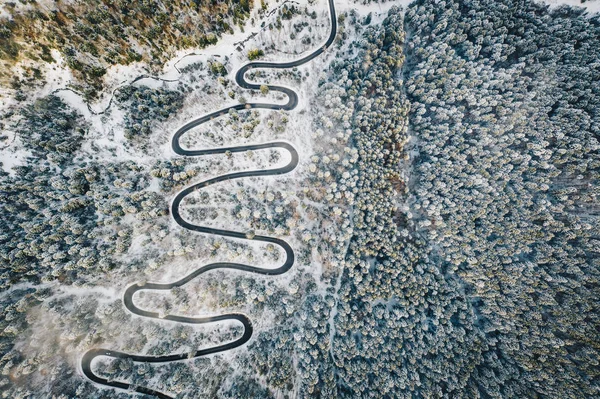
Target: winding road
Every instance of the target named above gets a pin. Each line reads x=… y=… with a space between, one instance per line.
x=128 y=298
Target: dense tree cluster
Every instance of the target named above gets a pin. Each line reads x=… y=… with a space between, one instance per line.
x=446 y=228
x=51 y=130
x=145 y=107
x=62 y=215
x=246 y=387
x=471 y=279
x=255 y=54
x=505 y=114
x=397 y=317
x=95 y=35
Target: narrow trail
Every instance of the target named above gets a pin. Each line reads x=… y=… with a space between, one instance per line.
x=128 y=298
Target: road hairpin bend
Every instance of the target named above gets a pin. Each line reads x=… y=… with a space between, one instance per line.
x=88 y=357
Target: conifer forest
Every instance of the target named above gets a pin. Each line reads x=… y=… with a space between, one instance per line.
x=281 y=199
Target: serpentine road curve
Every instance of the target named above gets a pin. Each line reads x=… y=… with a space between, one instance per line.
x=128 y=298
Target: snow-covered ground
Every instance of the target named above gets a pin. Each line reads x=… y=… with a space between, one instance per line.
x=298 y=131
x=592 y=6
x=107 y=133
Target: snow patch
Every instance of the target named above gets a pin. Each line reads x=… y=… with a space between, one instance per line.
x=13 y=155
x=592 y=6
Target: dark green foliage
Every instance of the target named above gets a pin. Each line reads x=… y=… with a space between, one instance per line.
x=403 y=329
x=505 y=111
x=368 y=18
x=271 y=355
x=246 y=388
x=468 y=174
x=51 y=130
x=146 y=106
x=478 y=276
x=218 y=68
x=56 y=208
x=288 y=12
x=255 y=54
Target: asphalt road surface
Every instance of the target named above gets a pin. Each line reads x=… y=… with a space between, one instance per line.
x=128 y=298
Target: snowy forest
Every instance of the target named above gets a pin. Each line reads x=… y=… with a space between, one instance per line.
x=432 y=165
